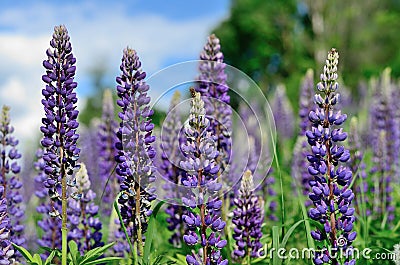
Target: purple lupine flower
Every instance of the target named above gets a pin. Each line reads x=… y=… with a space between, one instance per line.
x=89 y=155
x=256 y=158
x=60 y=122
x=357 y=166
x=300 y=151
x=330 y=192
x=283 y=113
x=9 y=170
x=6 y=250
x=248 y=217
x=48 y=209
x=106 y=140
x=135 y=152
x=305 y=101
x=85 y=226
x=172 y=173
x=214 y=89
x=201 y=180
x=385 y=145
x=381 y=186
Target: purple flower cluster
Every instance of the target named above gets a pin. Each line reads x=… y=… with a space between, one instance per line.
x=248 y=217
x=358 y=167
x=60 y=122
x=283 y=113
x=9 y=180
x=201 y=181
x=385 y=146
x=256 y=158
x=6 y=249
x=172 y=173
x=301 y=149
x=49 y=209
x=214 y=89
x=330 y=192
x=106 y=140
x=85 y=226
x=135 y=152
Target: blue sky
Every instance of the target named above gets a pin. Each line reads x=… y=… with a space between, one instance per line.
x=162 y=31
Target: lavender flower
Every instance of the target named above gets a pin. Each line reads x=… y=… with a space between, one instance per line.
x=6 y=249
x=248 y=217
x=49 y=209
x=82 y=214
x=106 y=142
x=135 y=153
x=201 y=168
x=9 y=170
x=170 y=141
x=330 y=190
x=283 y=113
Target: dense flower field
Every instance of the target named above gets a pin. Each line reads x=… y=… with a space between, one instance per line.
x=322 y=189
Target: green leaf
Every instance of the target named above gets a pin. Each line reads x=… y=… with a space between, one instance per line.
x=103 y=260
x=50 y=257
x=23 y=252
x=73 y=251
x=289 y=233
x=36 y=258
x=275 y=245
x=123 y=226
x=151 y=231
x=93 y=254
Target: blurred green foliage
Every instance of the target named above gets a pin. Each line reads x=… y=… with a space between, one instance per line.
x=276 y=41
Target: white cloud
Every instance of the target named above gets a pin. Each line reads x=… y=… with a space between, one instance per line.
x=97 y=34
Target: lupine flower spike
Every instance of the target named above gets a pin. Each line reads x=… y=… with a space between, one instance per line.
x=357 y=166
x=201 y=181
x=60 y=122
x=47 y=208
x=106 y=140
x=9 y=180
x=6 y=249
x=301 y=149
x=330 y=192
x=173 y=174
x=248 y=217
x=135 y=151
x=82 y=214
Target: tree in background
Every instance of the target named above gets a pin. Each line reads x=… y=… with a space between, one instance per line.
x=276 y=41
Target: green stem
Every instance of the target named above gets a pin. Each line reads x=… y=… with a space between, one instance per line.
x=135 y=254
x=64 y=246
x=64 y=229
